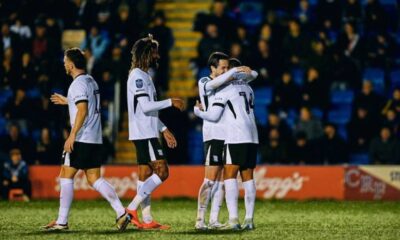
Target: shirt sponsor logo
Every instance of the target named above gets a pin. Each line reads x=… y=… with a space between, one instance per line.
x=139 y=83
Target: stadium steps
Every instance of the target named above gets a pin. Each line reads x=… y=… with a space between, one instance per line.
x=125 y=150
x=180 y=17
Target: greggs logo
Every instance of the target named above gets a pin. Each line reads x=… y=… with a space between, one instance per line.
x=278 y=187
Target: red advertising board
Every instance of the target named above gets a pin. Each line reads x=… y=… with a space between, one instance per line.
x=272 y=182
x=372 y=183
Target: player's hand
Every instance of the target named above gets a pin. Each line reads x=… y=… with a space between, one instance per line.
x=244 y=69
x=177 y=103
x=69 y=143
x=170 y=139
x=59 y=99
x=199 y=105
x=14 y=178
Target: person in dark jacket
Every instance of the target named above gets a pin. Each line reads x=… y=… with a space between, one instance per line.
x=332 y=147
x=384 y=149
x=15 y=175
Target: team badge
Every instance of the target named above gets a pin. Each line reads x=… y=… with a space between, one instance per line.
x=139 y=83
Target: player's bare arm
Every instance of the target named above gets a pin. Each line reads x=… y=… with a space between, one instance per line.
x=169 y=138
x=80 y=118
x=178 y=103
x=59 y=99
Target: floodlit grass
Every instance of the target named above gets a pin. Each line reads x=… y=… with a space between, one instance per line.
x=273 y=219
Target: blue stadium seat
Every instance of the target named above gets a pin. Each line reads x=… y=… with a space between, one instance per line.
x=33 y=93
x=339 y=116
x=359 y=159
x=35 y=134
x=203 y=72
x=263 y=96
x=261 y=114
x=318 y=113
x=195 y=145
x=298 y=75
x=395 y=78
x=342 y=97
x=342 y=131
x=251 y=14
x=3 y=123
x=377 y=77
x=5 y=95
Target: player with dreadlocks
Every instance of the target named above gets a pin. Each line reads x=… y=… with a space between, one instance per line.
x=145 y=128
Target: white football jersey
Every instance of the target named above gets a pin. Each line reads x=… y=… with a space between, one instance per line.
x=143 y=124
x=211 y=130
x=85 y=89
x=237 y=99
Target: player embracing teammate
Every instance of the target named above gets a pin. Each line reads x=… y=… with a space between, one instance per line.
x=228 y=112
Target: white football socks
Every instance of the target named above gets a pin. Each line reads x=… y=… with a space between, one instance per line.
x=108 y=192
x=147 y=188
x=145 y=205
x=66 y=197
x=218 y=194
x=249 y=198
x=231 y=195
x=204 y=198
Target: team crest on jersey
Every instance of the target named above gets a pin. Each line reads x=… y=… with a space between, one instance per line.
x=139 y=83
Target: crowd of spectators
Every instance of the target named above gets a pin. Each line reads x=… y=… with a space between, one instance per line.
x=306 y=52
x=303 y=51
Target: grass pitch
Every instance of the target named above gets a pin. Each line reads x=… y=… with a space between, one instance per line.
x=273 y=219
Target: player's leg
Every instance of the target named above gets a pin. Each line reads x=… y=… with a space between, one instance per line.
x=249 y=197
x=145 y=171
x=204 y=196
x=213 y=151
x=149 y=151
x=217 y=198
x=66 y=177
x=233 y=159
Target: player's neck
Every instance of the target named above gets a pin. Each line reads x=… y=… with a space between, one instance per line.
x=76 y=73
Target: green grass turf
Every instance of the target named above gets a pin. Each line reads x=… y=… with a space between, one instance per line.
x=273 y=219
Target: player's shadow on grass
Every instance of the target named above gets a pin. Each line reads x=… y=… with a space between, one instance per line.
x=53 y=232
x=207 y=232
x=127 y=231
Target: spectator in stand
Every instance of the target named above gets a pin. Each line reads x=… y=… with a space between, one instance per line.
x=287 y=93
x=332 y=147
x=309 y=125
x=275 y=122
x=296 y=45
x=8 y=39
x=24 y=32
x=320 y=59
x=305 y=14
x=274 y=151
x=381 y=50
x=375 y=19
x=125 y=24
x=302 y=151
x=224 y=22
x=314 y=92
x=164 y=36
x=18 y=109
x=28 y=73
x=352 y=45
x=237 y=51
x=344 y=73
x=263 y=62
x=392 y=121
x=211 y=42
x=393 y=103
x=96 y=42
x=243 y=38
x=15 y=175
x=9 y=71
x=47 y=149
x=329 y=12
x=384 y=149
x=367 y=98
x=15 y=140
x=361 y=128
x=352 y=11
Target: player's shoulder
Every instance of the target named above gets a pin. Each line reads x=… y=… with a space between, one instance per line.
x=203 y=80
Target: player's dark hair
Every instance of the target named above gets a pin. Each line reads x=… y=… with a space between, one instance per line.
x=234 y=62
x=214 y=58
x=142 y=52
x=76 y=56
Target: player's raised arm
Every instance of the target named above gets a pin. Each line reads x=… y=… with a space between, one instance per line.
x=150 y=106
x=222 y=79
x=246 y=76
